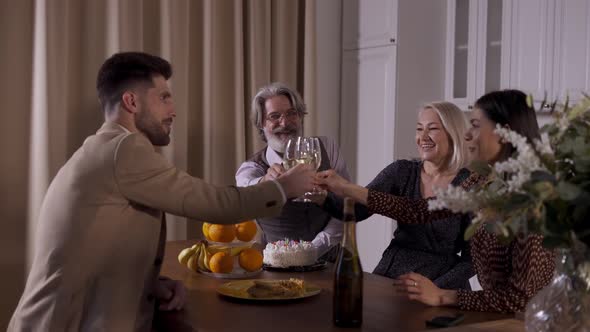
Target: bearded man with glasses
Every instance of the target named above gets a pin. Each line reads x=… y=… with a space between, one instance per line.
x=277 y=113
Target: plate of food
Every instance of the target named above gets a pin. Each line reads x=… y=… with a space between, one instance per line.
x=268 y=290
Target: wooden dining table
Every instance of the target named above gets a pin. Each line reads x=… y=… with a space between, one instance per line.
x=383 y=309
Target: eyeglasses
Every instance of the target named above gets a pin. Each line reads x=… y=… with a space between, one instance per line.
x=275 y=117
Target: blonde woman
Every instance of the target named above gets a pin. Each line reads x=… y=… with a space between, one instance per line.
x=436 y=251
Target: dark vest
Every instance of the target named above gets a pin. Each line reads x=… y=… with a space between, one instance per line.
x=298 y=220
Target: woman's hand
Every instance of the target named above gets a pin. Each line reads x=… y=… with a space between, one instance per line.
x=419 y=288
x=332 y=181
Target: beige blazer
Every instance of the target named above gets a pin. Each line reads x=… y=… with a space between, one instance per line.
x=100 y=229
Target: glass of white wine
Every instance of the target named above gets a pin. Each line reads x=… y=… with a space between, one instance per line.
x=317 y=195
x=302 y=150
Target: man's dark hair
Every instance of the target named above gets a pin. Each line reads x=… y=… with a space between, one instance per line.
x=123 y=70
x=509 y=107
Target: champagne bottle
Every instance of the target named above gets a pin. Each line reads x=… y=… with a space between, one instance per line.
x=348 y=275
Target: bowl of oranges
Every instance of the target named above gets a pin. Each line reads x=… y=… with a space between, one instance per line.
x=228 y=251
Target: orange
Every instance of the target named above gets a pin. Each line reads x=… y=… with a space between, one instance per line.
x=206 y=230
x=221 y=262
x=250 y=259
x=222 y=233
x=246 y=231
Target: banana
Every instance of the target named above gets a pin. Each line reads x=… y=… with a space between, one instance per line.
x=198 y=244
x=237 y=250
x=207 y=258
x=217 y=248
x=192 y=263
x=185 y=254
x=201 y=259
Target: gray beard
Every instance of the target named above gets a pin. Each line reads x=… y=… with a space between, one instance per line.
x=276 y=144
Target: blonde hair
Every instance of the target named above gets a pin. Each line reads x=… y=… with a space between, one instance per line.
x=455 y=125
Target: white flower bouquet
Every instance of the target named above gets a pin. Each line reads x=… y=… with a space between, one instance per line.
x=543 y=188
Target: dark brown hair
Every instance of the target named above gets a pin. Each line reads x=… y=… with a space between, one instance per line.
x=509 y=108
x=124 y=70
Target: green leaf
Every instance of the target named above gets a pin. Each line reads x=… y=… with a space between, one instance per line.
x=579 y=109
x=566 y=146
x=516 y=201
x=470 y=231
x=568 y=191
x=495 y=186
x=493 y=227
x=529 y=101
x=515 y=223
x=580 y=147
x=544 y=189
x=543 y=176
x=582 y=164
x=481 y=167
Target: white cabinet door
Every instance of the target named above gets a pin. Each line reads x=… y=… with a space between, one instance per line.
x=571 y=65
x=367 y=131
x=477 y=33
x=461 y=53
x=368 y=23
x=531 y=47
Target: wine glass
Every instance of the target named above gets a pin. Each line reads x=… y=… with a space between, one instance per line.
x=317 y=195
x=302 y=150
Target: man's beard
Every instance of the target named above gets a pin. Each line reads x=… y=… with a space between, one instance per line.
x=278 y=144
x=154 y=130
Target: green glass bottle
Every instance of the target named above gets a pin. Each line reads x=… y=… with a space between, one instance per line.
x=348 y=275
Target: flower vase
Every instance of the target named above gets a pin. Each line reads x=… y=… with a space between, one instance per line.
x=564 y=304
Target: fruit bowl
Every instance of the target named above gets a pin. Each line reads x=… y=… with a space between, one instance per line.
x=222 y=261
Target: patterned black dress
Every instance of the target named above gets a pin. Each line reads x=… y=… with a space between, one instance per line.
x=430 y=249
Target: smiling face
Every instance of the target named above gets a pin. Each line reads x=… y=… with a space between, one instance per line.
x=482 y=141
x=282 y=121
x=431 y=138
x=155 y=117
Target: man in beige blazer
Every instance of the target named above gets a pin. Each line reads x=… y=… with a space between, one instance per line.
x=100 y=236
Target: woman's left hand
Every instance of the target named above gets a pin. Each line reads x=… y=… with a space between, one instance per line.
x=418 y=287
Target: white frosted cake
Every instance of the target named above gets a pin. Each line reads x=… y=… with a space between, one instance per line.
x=285 y=253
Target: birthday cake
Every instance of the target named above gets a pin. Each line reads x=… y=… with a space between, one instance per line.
x=286 y=253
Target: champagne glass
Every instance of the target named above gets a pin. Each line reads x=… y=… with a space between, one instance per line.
x=302 y=150
x=289 y=155
x=317 y=195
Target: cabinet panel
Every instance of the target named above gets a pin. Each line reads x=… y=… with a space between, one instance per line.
x=369 y=23
x=493 y=47
x=571 y=70
x=475 y=52
x=367 y=131
x=462 y=17
x=531 y=46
